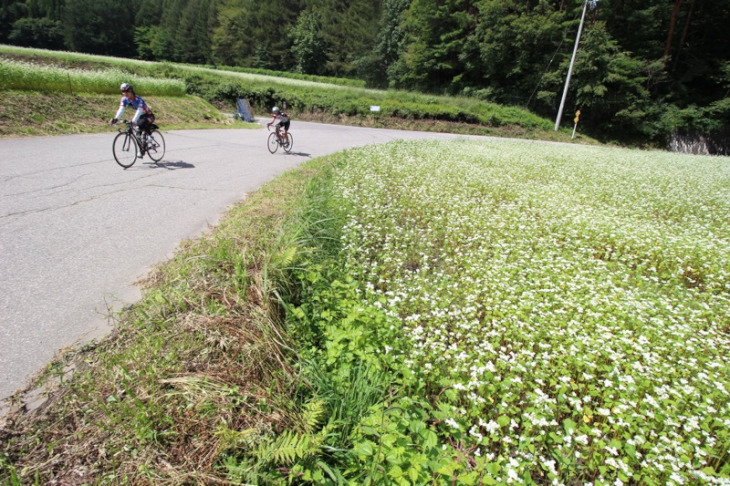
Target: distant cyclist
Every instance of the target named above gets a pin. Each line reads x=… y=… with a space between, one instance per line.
x=281 y=121
x=143 y=116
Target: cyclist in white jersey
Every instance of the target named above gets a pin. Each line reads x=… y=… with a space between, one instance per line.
x=143 y=116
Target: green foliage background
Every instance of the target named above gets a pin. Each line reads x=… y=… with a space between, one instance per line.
x=305 y=96
x=645 y=70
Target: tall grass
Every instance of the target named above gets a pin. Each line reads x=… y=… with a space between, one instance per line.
x=71 y=57
x=194 y=372
x=32 y=77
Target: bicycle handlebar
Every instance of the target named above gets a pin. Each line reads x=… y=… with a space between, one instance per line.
x=127 y=125
x=269 y=127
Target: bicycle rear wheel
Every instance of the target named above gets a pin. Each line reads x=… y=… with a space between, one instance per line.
x=273 y=143
x=289 y=143
x=155 y=145
x=125 y=150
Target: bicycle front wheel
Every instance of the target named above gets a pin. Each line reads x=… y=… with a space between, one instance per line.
x=155 y=145
x=273 y=143
x=289 y=143
x=125 y=150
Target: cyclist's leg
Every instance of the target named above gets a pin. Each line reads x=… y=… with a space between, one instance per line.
x=144 y=130
x=285 y=137
x=144 y=124
x=277 y=127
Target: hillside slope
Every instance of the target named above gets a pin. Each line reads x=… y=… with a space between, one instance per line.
x=33 y=113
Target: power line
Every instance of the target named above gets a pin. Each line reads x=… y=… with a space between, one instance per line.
x=539 y=82
x=572 y=60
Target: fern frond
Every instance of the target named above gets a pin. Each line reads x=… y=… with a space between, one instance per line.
x=234 y=439
x=289 y=447
x=285 y=257
x=314 y=412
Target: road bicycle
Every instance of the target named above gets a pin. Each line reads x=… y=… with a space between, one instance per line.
x=276 y=140
x=129 y=145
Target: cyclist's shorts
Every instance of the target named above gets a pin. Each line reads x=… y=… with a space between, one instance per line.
x=145 y=121
x=147 y=118
x=284 y=122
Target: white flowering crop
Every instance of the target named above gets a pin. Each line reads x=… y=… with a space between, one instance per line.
x=568 y=307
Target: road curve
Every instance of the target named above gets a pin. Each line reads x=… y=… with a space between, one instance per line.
x=77 y=230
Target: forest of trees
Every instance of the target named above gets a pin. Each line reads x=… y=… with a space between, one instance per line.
x=644 y=69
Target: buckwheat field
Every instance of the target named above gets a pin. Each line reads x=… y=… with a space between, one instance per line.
x=553 y=314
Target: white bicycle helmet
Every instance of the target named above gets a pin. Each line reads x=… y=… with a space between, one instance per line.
x=275 y=109
x=125 y=87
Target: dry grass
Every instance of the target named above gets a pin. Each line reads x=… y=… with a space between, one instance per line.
x=199 y=363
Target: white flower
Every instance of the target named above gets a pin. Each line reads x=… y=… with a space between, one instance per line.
x=453 y=423
x=676 y=478
x=491 y=426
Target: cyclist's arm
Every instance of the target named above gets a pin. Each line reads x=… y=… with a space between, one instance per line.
x=120 y=112
x=137 y=114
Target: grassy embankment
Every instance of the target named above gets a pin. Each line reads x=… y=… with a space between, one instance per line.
x=306 y=98
x=46 y=99
x=420 y=313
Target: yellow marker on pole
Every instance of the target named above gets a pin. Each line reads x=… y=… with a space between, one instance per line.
x=577 y=117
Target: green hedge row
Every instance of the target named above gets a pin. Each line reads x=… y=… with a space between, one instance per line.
x=357 y=102
x=300 y=92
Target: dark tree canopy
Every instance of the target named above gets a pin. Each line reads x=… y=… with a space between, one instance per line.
x=99 y=27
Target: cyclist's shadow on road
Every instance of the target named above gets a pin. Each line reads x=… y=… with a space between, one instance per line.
x=169 y=165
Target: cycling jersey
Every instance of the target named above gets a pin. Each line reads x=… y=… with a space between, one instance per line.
x=142 y=109
x=281 y=119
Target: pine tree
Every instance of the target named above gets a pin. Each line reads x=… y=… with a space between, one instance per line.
x=231 y=42
x=309 y=47
x=438 y=33
x=99 y=27
x=349 y=30
x=192 y=39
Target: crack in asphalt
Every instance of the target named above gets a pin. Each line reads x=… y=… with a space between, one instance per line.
x=51 y=188
x=100 y=196
x=46 y=170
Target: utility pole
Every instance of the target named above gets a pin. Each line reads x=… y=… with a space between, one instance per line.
x=572 y=60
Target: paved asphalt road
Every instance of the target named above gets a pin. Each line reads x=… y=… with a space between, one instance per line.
x=77 y=230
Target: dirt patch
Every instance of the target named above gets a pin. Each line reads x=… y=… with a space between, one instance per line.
x=56 y=62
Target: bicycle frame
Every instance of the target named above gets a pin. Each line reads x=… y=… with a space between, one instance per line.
x=129 y=145
x=129 y=130
x=281 y=139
